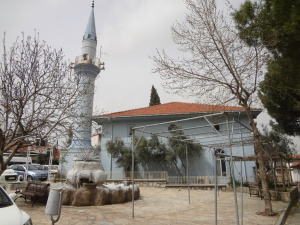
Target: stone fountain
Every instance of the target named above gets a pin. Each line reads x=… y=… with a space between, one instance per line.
x=85 y=184
x=86 y=169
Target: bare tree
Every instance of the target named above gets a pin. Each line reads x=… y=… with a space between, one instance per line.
x=216 y=65
x=38 y=92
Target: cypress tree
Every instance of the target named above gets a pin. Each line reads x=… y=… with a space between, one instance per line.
x=154 y=98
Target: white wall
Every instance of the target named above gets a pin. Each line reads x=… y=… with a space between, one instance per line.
x=201 y=166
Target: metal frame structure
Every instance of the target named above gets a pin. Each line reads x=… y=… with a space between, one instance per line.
x=236 y=136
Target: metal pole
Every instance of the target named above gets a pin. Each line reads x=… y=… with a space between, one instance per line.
x=132 y=173
x=187 y=168
x=232 y=172
x=216 y=185
x=132 y=169
x=176 y=121
x=246 y=176
x=27 y=157
x=242 y=212
x=50 y=163
x=290 y=172
x=112 y=138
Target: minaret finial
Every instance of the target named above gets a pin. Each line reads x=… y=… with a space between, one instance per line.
x=93 y=4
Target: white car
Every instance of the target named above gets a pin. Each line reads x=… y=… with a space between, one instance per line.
x=9 y=175
x=10 y=214
x=53 y=170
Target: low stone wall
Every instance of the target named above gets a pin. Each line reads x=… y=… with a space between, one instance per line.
x=197 y=186
x=288 y=196
x=159 y=183
x=238 y=189
x=294 y=198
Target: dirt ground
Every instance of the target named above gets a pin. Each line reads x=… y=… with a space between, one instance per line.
x=162 y=206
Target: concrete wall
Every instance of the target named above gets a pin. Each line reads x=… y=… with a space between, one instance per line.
x=296 y=174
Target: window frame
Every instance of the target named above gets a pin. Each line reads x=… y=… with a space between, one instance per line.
x=129 y=129
x=220 y=161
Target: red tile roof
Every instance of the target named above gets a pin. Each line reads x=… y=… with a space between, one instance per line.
x=296 y=156
x=296 y=165
x=174 y=108
x=32 y=148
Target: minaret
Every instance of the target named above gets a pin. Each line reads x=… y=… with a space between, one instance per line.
x=87 y=67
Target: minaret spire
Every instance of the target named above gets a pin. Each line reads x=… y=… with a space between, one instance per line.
x=87 y=67
x=89 y=42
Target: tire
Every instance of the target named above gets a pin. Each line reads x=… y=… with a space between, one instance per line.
x=20 y=178
x=29 y=178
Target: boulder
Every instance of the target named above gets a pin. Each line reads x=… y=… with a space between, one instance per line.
x=91 y=195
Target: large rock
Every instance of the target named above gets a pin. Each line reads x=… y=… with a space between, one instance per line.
x=103 y=195
x=129 y=194
x=82 y=197
x=67 y=196
x=118 y=195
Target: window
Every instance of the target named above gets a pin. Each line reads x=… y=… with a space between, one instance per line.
x=217 y=127
x=129 y=129
x=85 y=56
x=220 y=163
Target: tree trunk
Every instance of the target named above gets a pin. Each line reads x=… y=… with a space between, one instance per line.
x=184 y=170
x=274 y=178
x=177 y=168
x=259 y=153
x=282 y=174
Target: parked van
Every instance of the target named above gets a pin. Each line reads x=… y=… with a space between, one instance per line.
x=18 y=160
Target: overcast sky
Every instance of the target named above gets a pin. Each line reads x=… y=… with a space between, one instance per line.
x=129 y=32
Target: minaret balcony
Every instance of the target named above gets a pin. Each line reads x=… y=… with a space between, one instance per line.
x=85 y=58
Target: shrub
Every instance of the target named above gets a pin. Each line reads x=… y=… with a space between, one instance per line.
x=237 y=183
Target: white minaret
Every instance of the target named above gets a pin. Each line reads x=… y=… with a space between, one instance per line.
x=87 y=67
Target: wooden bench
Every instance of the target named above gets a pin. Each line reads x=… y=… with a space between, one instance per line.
x=36 y=191
x=255 y=189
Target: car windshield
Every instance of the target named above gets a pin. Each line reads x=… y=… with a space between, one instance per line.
x=31 y=167
x=4 y=199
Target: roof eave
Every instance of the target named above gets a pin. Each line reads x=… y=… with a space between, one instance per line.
x=172 y=114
